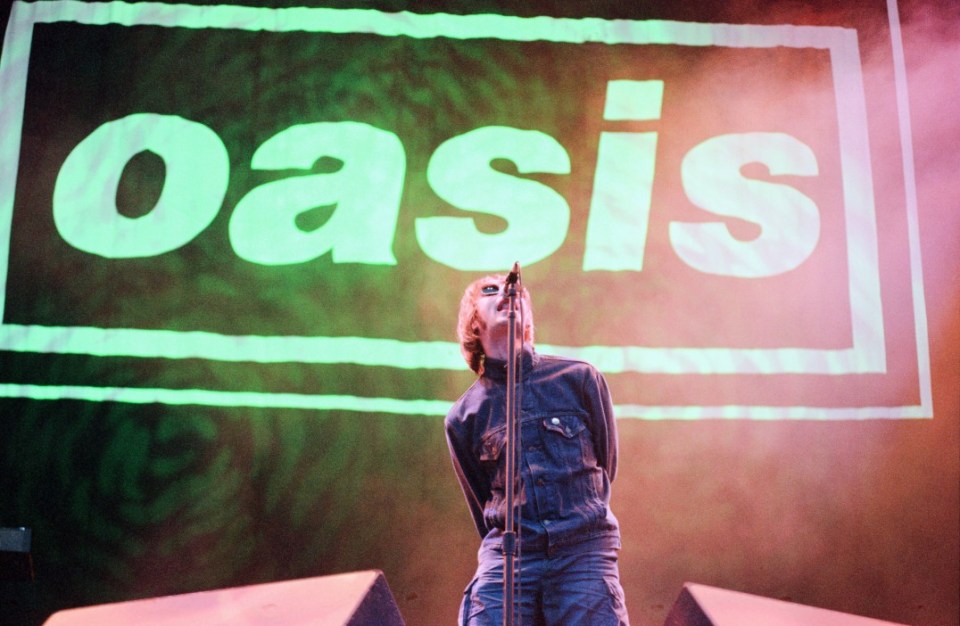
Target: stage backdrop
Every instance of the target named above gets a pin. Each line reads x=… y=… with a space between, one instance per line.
x=233 y=239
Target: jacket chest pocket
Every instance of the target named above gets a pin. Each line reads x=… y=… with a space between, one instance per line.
x=568 y=439
x=491 y=450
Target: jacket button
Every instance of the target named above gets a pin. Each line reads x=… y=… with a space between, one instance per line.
x=555 y=421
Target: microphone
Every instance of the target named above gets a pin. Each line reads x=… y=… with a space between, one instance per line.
x=513 y=276
x=509 y=285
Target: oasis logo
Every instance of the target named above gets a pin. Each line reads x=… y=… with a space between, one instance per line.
x=722 y=170
x=368 y=188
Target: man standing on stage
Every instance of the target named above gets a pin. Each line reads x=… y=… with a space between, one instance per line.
x=569 y=538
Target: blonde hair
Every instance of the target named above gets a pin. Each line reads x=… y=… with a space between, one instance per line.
x=468 y=321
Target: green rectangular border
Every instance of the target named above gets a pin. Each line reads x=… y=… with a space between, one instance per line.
x=867 y=351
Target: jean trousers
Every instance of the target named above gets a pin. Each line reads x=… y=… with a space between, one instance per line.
x=570 y=588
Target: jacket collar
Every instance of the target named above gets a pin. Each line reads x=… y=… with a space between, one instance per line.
x=495 y=369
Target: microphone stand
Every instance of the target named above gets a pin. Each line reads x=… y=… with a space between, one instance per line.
x=509 y=534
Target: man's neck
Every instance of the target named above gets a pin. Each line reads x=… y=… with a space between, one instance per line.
x=496 y=343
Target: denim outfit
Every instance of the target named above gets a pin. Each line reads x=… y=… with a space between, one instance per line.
x=567 y=458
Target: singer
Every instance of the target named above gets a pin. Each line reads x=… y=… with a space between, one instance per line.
x=569 y=538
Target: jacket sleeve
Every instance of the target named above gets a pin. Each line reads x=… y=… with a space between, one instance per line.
x=473 y=480
x=603 y=422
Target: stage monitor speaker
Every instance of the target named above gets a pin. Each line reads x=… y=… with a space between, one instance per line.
x=16 y=564
x=700 y=605
x=354 y=599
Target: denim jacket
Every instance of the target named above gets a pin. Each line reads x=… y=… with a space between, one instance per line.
x=567 y=454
